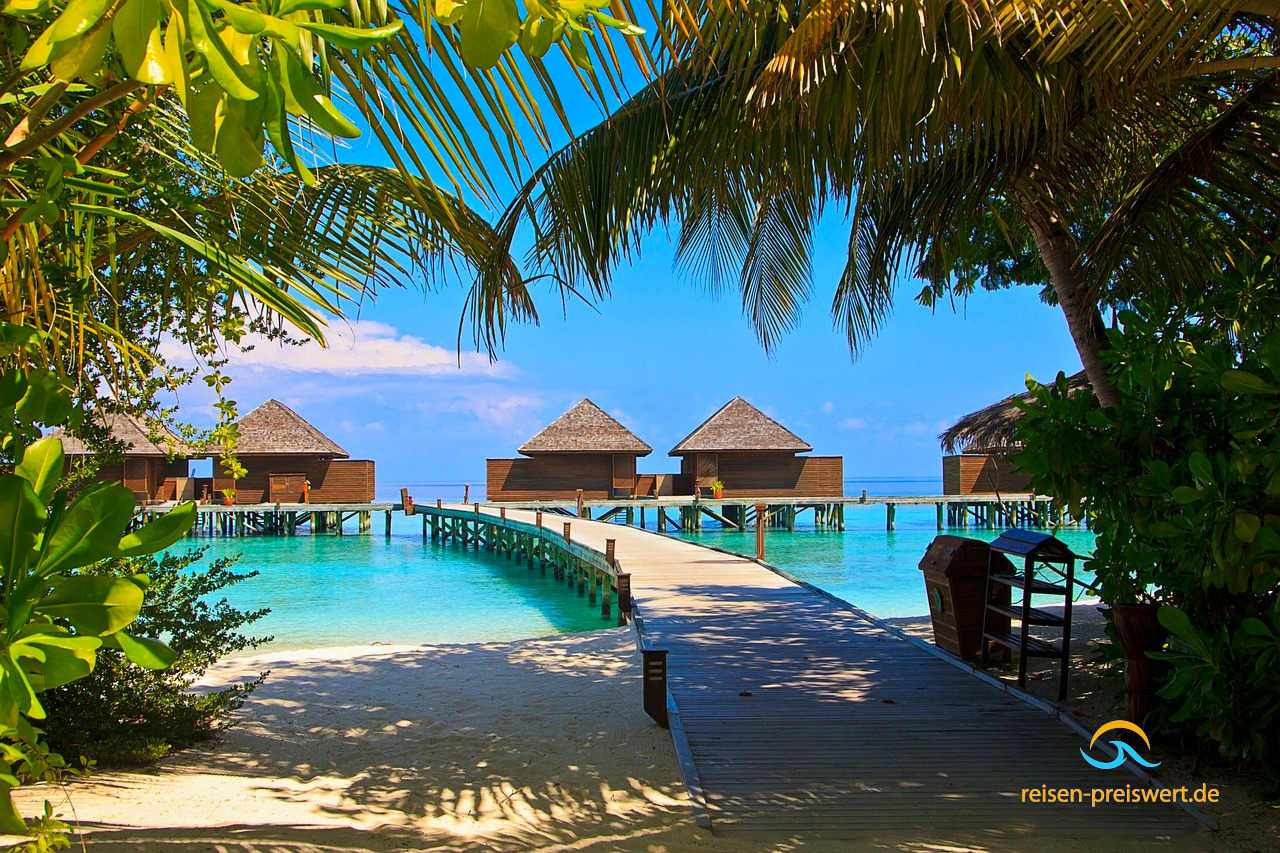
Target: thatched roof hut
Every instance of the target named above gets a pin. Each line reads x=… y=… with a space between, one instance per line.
x=991 y=430
x=738 y=426
x=585 y=428
x=133 y=434
x=273 y=429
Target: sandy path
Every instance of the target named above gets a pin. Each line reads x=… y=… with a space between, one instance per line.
x=534 y=744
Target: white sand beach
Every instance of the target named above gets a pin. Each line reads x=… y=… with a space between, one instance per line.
x=538 y=744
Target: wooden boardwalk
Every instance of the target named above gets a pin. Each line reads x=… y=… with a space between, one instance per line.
x=796 y=713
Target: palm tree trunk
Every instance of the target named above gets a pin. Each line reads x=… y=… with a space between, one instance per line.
x=1081 y=310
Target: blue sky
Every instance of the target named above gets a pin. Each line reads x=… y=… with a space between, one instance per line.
x=661 y=355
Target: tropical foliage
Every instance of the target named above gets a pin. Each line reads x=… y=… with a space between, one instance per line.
x=123 y=714
x=56 y=617
x=1120 y=144
x=1181 y=483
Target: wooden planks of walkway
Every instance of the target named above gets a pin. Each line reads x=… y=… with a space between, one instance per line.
x=803 y=715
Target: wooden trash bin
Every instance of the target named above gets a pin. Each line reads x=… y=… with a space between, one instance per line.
x=955 y=579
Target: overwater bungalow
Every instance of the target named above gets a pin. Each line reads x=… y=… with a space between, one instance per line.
x=753 y=456
x=154 y=468
x=290 y=461
x=979 y=445
x=583 y=449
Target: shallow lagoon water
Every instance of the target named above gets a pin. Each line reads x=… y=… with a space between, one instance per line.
x=326 y=590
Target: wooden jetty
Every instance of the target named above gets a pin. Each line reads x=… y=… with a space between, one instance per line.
x=792 y=711
x=279 y=519
x=688 y=512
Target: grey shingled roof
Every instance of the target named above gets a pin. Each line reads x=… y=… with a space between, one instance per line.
x=585 y=428
x=274 y=428
x=738 y=425
x=133 y=433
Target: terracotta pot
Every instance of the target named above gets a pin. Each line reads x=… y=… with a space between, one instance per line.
x=717 y=494
x=1139 y=631
x=226 y=501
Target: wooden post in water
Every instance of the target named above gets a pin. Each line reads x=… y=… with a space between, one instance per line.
x=388 y=524
x=428 y=527
x=890 y=510
x=579 y=503
x=466 y=493
x=939 y=509
x=760 y=520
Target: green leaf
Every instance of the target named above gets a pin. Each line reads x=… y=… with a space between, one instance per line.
x=93 y=604
x=1179 y=624
x=77 y=18
x=89 y=529
x=41 y=466
x=289 y=6
x=1246 y=526
x=1201 y=467
x=352 y=38
x=22 y=516
x=147 y=653
x=65 y=659
x=1186 y=495
x=160 y=533
x=486 y=30
x=1244 y=382
x=537 y=35
x=10 y=821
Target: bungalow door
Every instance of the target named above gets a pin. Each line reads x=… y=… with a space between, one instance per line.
x=708 y=469
x=624 y=475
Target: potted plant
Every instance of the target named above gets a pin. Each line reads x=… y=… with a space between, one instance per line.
x=717 y=489
x=228 y=497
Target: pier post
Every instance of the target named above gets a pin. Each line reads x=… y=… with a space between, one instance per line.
x=655 y=684
x=760 y=515
x=466 y=493
x=388 y=524
x=538 y=518
x=624 y=596
x=864 y=496
x=939 y=508
x=428 y=528
x=890 y=512
x=579 y=503
x=662 y=520
x=609 y=551
x=406 y=501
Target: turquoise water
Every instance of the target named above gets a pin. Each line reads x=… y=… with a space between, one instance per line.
x=866 y=565
x=325 y=590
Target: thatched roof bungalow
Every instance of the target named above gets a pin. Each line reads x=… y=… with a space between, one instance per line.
x=288 y=460
x=978 y=446
x=583 y=449
x=754 y=456
x=155 y=465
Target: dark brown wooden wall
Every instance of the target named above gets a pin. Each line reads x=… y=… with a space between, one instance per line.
x=551 y=476
x=981 y=474
x=747 y=475
x=143 y=475
x=332 y=480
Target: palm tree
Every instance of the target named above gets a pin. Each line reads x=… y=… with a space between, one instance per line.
x=1128 y=144
x=240 y=97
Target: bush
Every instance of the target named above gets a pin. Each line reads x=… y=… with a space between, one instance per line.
x=122 y=714
x=1181 y=483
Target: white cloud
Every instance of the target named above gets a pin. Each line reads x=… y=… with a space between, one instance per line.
x=359 y=348
x=494 y=408
x=853 y=423
x=828 y=407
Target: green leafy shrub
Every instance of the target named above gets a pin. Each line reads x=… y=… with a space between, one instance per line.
x=1181 y=483
x=121 y=714
x=54 y=618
